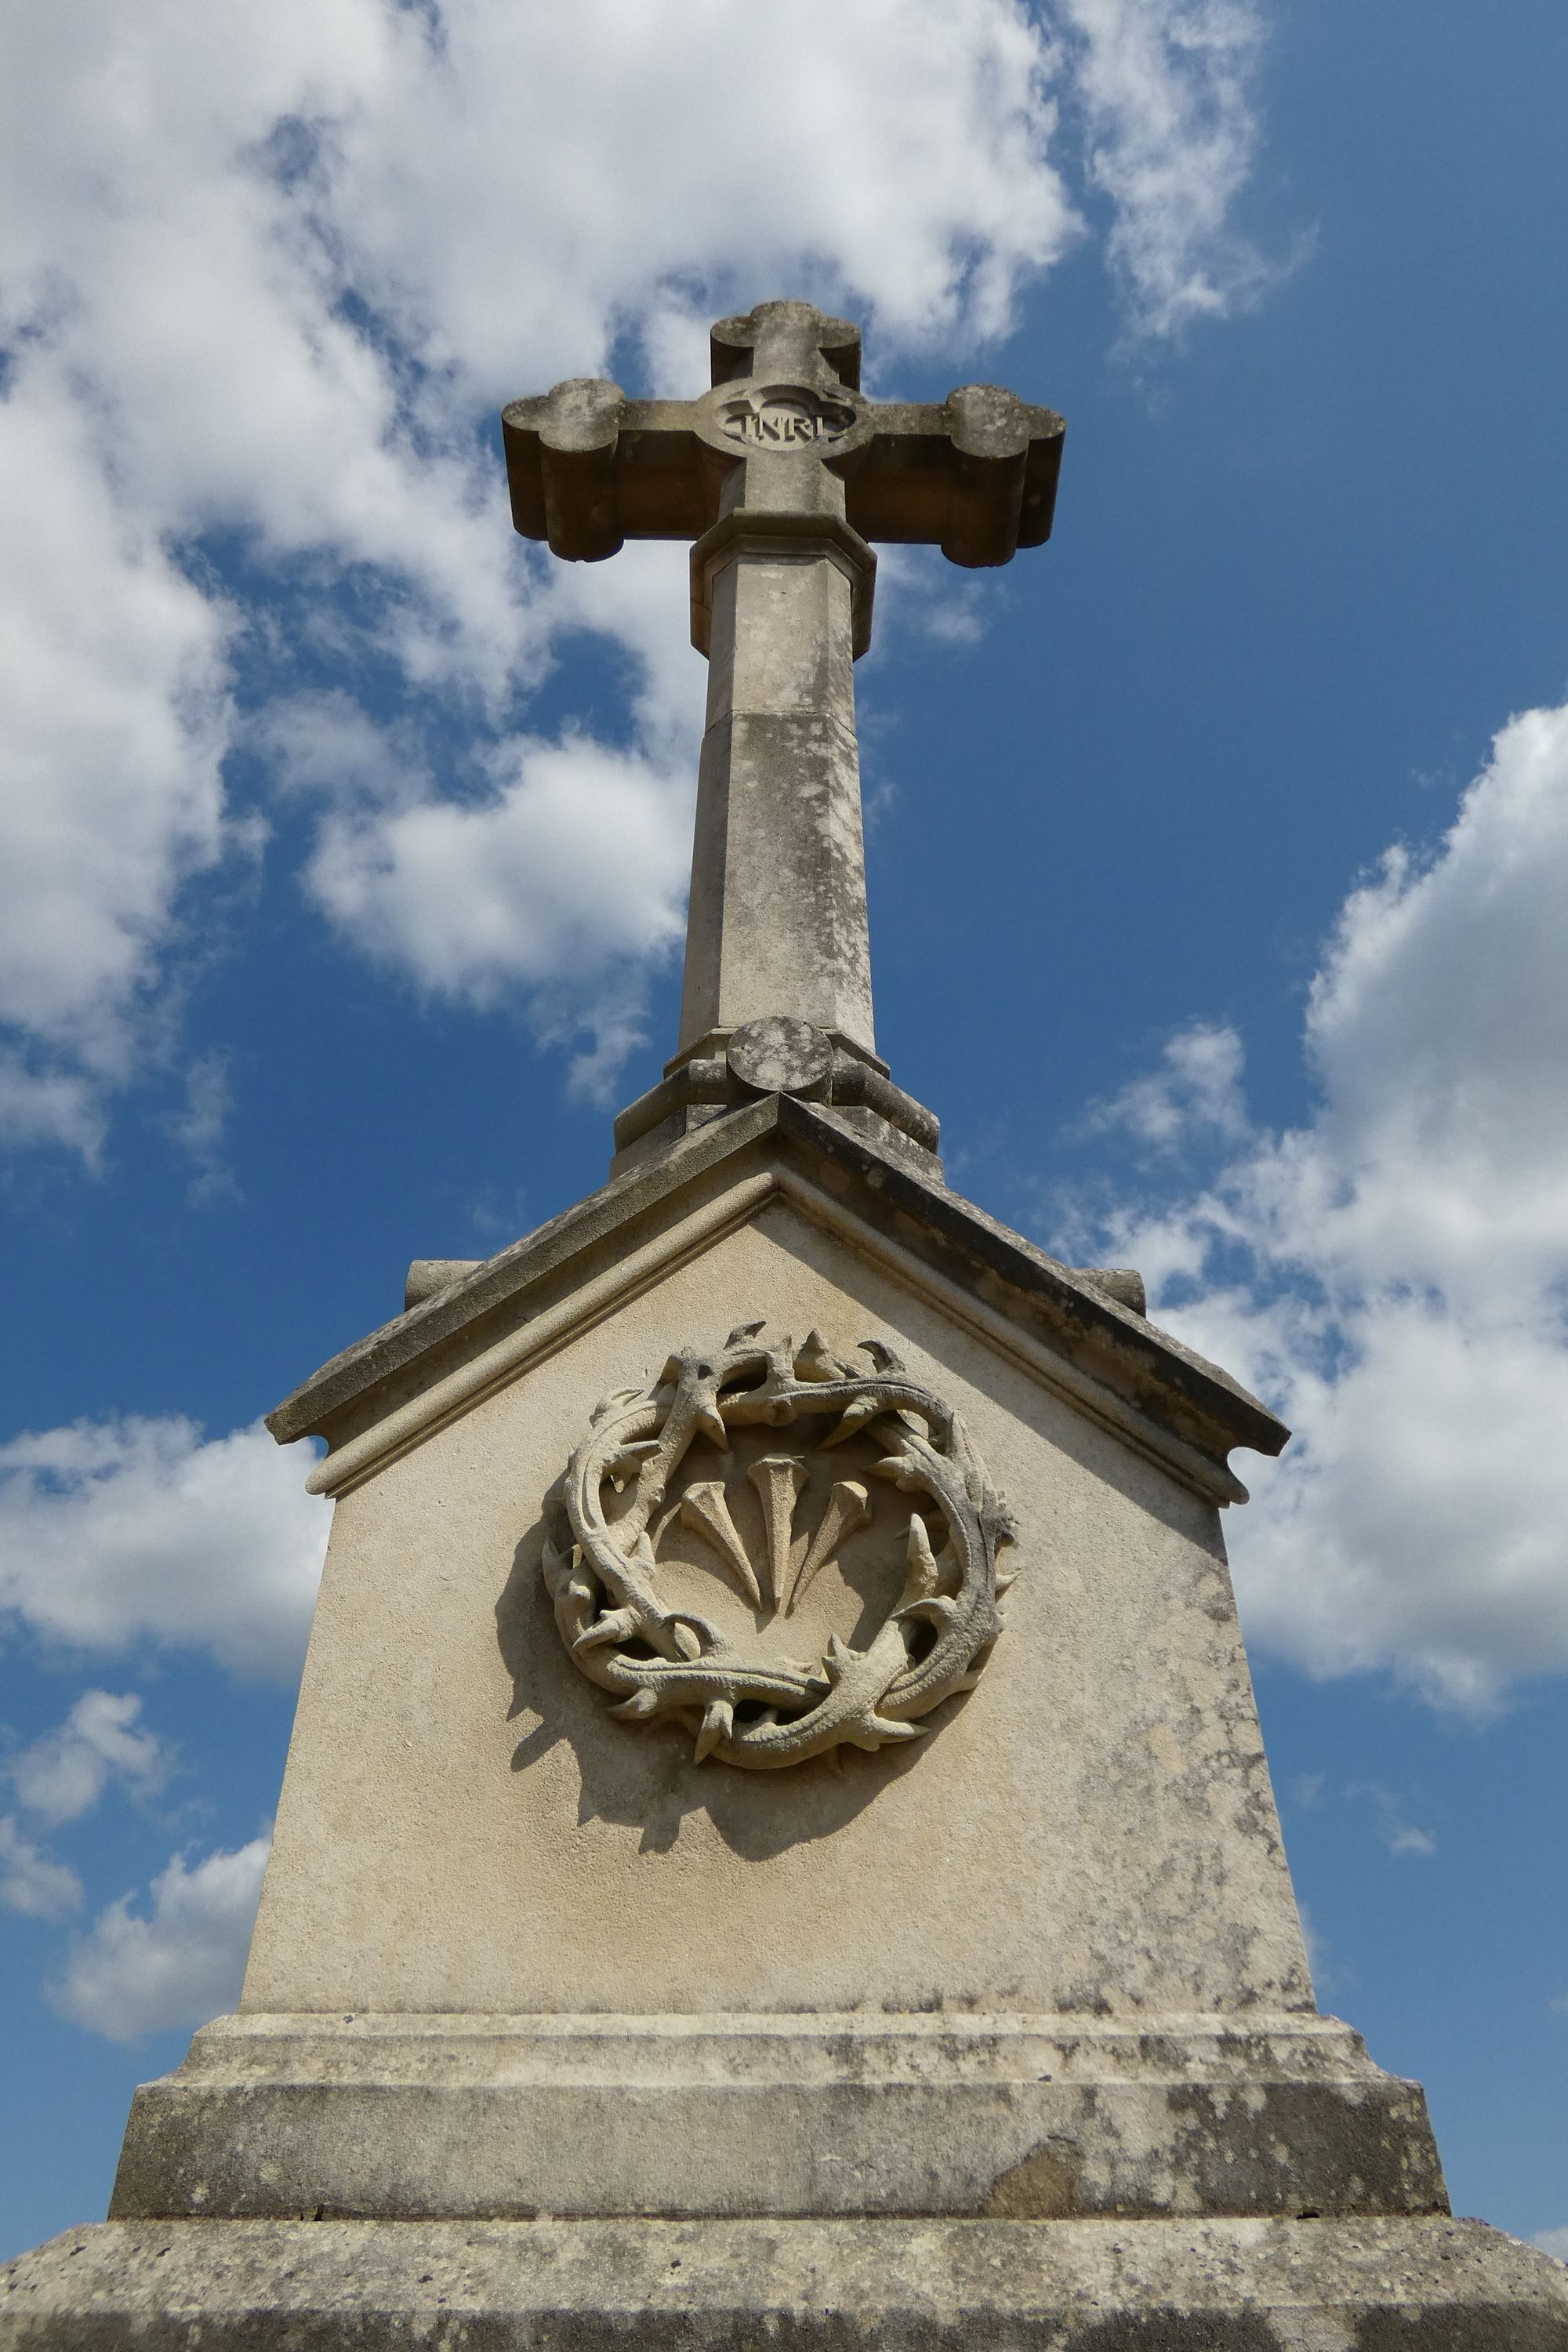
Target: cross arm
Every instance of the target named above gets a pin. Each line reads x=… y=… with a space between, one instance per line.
x=588 y=469
x=976 y=474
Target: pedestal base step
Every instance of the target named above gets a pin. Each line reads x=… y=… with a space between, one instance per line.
x=1007 y=2117
x=1379 y=2285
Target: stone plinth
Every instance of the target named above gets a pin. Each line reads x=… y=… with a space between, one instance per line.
x=465 y=1826
x=1014 y=2117
x=1370 y=2285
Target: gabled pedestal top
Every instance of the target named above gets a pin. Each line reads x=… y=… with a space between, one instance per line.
x=1117 y=1366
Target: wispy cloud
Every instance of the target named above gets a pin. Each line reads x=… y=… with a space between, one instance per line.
x=1167 y=89
x=1194 y=1096
x=200 y=1128
x=30 y=1881
x=62 y=1776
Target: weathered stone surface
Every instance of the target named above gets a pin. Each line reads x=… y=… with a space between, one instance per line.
x=781 y=1055
x=589 y=469
x=1017 y=2116
x=686 y=1616
x=1048 y=1963
x=776 y=921
x=465 y=1826
x=1122 y=1283
x=428 y=1277
x=1120 y=1368
x=1391 y=2286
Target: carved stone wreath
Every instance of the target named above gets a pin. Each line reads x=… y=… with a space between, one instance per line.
x=601 y=1558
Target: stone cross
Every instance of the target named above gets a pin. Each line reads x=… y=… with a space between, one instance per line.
x=780 y=476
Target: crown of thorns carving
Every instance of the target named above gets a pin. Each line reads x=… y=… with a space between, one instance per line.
x=602 y=1569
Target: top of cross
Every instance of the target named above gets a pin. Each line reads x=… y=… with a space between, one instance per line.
x=785 y=432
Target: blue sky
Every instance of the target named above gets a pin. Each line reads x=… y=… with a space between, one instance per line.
x=1218 y=855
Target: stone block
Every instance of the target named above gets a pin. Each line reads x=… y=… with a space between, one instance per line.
x=1014 y=2117
x=1377 y=2286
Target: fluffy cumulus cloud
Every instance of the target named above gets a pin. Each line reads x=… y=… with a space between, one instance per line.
x=62 y=1776
x=266 y=277
x=114 y=1533
x=178 y=1965
x=1394 y=1275
x=507 y=884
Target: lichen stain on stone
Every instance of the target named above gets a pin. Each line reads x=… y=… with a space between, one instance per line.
x=1042 y=2188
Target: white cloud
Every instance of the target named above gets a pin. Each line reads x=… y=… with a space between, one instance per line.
x=564 y=873
x=199 y=1127
x=130 y=1975
x=266 y=277
x=29 y=1882
x=1198 y=1087
x=1552 y=2241
x=602 y=166
x=1390 y=1823
x=113 y=679
x=119 y=1531
x=1166 y=87
x=1395 y=1273
x=62 y=1776
x=50 y=1106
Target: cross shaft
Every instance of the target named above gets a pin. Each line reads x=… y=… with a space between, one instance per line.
x=780 y=476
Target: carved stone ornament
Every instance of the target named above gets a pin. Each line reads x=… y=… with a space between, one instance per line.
x=784 y=417
x=689 y=1546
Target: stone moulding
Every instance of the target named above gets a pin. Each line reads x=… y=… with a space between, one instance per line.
x=783 y=539
x=391 y=1389
x=774 y=1056
x=1366 y=2286
x=964 y=2113
x=763 y=1711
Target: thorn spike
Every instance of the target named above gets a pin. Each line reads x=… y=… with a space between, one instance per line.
x=848 y=1509
x=718 y=1723
x=778 y=1479
x=704 y=1510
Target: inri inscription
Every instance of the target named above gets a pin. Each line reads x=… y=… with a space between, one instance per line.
x=784 y=418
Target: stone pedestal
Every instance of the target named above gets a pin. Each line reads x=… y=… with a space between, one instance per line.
x=991 y=2022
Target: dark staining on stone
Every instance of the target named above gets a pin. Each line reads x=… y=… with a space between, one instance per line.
x=1178 y=2331
x=1044 y=2187
x=1276 y=2147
